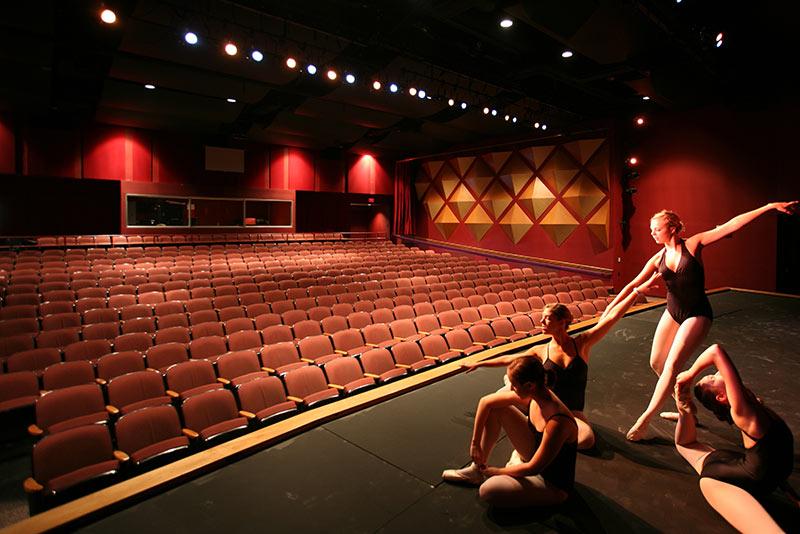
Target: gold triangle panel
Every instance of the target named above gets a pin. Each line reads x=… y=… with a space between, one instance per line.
x=558 y=224
x=479 y=222
x=434 y=202
x=462 y=201
x=536 y=197
x=516 y=173
x=446 y=222
x=462 y=164
x=496 y=159
x=541 y=153
x=559 y=170
x=598 y=166
x=583 y=195
x=479 y=177
x=496 y=199
x=516 y=223
x=433 y=167
x=598 y=224
x=582 y=150
x=448 y=180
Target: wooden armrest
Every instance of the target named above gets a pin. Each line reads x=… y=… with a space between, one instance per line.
x=460 y=351
x=269 y=370
x=101 y=381
x=521 y=332
x=448 y=328
x=153 y=368
x=31 y=486
x=223 y=381
x=372 y=375
x=295 y=399
x=423 y=333
x=249 y=415
x=402 y=366
x=173 y=394
x=337 y=351
x=434 y=358
x=503 y=337
x=121 y=456
x=189 y=433
x=113 y=410
x=480 y=343
x=336 y=386
x=34 y=430
x=373 y=345
x=308 y=360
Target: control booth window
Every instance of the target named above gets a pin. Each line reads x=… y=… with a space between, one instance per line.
x=157 y=211
x=268 y=213
x=203 y=212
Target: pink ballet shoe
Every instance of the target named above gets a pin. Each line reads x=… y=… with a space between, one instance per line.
x=469 y=475
x=669 y=416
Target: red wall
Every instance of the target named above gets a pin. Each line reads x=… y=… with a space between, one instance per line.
x=7 y=146
x=709 y=166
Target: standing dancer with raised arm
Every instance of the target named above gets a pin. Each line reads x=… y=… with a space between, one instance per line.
x=730 y=479
x=687 y=319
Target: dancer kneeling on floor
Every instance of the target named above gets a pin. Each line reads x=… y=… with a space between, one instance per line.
x=568 y=357
x=730 y=479
x=546 y=440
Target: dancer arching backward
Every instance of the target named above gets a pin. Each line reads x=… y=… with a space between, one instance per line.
x=568 y=357
x=730 y=479
x=687 y=319
x=546 y=440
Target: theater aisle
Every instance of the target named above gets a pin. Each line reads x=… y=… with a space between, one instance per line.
x=379 y=470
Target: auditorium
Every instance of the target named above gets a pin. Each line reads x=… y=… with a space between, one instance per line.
x=399 y=265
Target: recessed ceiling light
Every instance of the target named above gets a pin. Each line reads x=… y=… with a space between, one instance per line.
x=108 y=16
x=149 y=86
x=191 y=38
x=536 y=125
x=507 y=117
x=231 y=49
x=485 y=111
x=331 y=74
x=645 y=97
x=231 y=100
x=349 y=78
x=494 y=113
x=311 y=69
x=256 y=56
x=393 y=88
x=566 y=54
x=513 y=119
x=451 y=102
x=506 y=23
x=376 y=85
x=291 y=62
x=421 y=93
x=544 y=126
x=412 y=91
x=463 y=105
x=639 y=121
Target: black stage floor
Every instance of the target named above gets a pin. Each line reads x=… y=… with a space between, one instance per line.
x=379 y=470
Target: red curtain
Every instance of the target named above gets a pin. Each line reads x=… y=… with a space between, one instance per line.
x=403 y=223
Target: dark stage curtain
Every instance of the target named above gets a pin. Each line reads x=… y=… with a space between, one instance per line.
x=403 y=223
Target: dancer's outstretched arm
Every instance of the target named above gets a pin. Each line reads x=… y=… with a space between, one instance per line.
x=723 y=230
x=647 y=271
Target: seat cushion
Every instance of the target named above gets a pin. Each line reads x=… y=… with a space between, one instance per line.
x=157 y=449
x=361 y=383
x=320 y=396
x=13 y=404
x=276 y=410
x=155 y=401
x=392 y=374
x=90 y=419
x=223 y=427
x=83 y=474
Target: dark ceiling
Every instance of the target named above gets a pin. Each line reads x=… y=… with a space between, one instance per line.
x=63 y=66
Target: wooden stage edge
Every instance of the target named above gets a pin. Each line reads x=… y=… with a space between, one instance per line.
x=138 y=488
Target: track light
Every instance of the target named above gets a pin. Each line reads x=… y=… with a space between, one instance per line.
x=108 y=16
x=720 y=37
x=190 y=38
x=231 y=49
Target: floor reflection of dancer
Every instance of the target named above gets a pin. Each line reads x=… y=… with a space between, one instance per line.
x=567 y=357
x=687 y=319
x=730 y=479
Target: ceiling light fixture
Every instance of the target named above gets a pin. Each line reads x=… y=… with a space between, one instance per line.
x=376 y=85
x=149 y=86
x=639 y=121
x=544 y=126
x=191 y=38
x=720 y=37
x=566 y=54
x=421 y=93
x=412 y=91
x=645 y=97
x=494 y=113
x=231 y=49
x=256 y=56
x=506 y=22
x=349 y=78
x=291 y=62
x=108 y=16
x=536 y=125
x=463 y=105
x=331 y=74
x=513 y=119
x=507 y=117
x=231 y=100
x=633 y=161
x=485 y=111
x=451 y=102
x=311 y=69
x=393 y=88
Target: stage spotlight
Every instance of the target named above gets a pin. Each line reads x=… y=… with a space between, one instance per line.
x=231 y=49
x=536 y=125
x=256 y=56
x=231 y=100
x=149 y=86
x=451 y=102
x=311 y=69
x=291 y=62
x=332 y=74
x=421 y=93
x=719 y=39
x=513 y=119
x=632 y=161
x=108 y=16
x=349 y=78
x=507 y=117
x=506 y=23
x=566 y=54
x=485 y=111
x=376 y=85
x=544 y=126
x=639 y=121
x=191 y=38
x=412 y=91
x=645 y=97
x=463 y=105
x=494 y=113
x=393 y=88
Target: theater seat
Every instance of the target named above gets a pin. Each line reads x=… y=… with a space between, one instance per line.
x=308 y=386
x=346 y=375
x=149 y=435
x=117 y=364
x=211 y=416
x=65 y=374
x=238 y=367
x=35 y=360
x=408 y=355
x=67 y=408
x=264 y=400
x=18 y=390
x=133 y=391
x=379 y=364
x=190 y=378
x=280 y=358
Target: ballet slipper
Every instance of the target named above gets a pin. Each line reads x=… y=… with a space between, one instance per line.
x=670 y=416
x=470 y=475
x=638 y=431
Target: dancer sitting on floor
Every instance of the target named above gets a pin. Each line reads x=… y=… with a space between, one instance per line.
x=546 y=440
x=568 y=357
x=730 y=479
x=687 y=319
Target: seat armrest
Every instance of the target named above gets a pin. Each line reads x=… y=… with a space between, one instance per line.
x=223 y=381
x=189 y=433
x=31 y=486
x=121 y=456
x=249 y=415
x=372 y=375
x=338 y=351
x=295 y=399
x=113 y=410
x=336 y=386
x=34 y=430
x=270 y=370
x=402 y=366
x=173 y=394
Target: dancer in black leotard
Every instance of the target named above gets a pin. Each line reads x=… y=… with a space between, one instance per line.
x=729 y=479
x=546 y=440
x=687 y=319
x=568 y=357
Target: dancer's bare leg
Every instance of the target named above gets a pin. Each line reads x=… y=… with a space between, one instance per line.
x=738 y=507
x=662 y=341
x=585 y=432
x=511 y=492
x=689 y=336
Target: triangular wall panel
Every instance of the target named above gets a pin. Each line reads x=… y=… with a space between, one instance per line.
x=599 y=225
x=496 y=199
x=479 y=222
x=515 y=223
x=558 y=224
x=461 y=201
x=446 y=222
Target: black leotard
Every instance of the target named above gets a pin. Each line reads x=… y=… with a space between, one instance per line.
x=561 y=471
x=686 y=294
x=570 y=381
x=762 y=467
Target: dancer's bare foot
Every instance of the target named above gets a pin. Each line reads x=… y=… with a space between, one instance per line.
x=669 y=416
x=638 y=430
